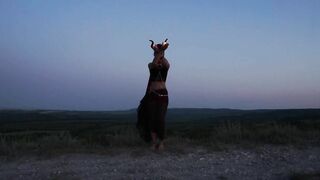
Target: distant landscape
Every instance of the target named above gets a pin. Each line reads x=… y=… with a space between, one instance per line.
x=54 y=131
x=200 y=143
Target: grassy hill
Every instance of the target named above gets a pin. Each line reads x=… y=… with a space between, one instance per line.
x=49 y=130
x=174 y=115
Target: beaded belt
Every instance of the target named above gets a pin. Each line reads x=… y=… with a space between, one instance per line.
x=159 y=93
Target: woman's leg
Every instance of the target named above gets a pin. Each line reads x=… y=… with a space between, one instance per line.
x=161 y=115
x=157 y=109
x=152 y=110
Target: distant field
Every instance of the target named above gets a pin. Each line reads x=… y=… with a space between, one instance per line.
x=46 y=131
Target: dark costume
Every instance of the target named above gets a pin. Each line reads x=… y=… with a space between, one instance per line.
x=153 y=107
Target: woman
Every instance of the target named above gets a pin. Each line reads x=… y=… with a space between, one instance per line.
x=153 y=107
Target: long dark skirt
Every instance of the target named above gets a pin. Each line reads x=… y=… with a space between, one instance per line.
x=151 y=115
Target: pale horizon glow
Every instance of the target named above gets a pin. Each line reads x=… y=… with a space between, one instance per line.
x=93 y=55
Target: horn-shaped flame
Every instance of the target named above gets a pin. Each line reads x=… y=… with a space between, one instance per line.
x=165 y=44
x=152 y=43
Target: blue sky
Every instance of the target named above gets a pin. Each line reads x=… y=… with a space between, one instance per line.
x=93 y=55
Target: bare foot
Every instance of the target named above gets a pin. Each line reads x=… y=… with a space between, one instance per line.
x=161 y=146
x=154 y=147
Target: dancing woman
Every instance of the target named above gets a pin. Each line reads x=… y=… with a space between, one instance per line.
x=153 y=106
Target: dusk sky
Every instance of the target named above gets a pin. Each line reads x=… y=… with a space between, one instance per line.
x=93 y=55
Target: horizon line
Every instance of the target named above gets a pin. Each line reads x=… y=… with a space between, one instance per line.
x=171 y=108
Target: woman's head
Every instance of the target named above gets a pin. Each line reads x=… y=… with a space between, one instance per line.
x=159 y=48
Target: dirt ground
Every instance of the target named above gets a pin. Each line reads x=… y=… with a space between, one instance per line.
x=266 y=162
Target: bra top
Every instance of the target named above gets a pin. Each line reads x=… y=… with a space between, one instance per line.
x=158 y=73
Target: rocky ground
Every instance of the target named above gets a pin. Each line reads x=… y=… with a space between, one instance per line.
x=266 y=162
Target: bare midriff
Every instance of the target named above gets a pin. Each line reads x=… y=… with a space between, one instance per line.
x=157 y=85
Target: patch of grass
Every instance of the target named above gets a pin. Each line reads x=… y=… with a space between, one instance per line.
x=238 y=133
x=46 y=137
x=305 y=176
x=36 y=142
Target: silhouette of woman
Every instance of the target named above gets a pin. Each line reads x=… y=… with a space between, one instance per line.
x=153 y=106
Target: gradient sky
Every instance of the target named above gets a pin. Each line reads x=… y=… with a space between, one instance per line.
x=93 y=55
